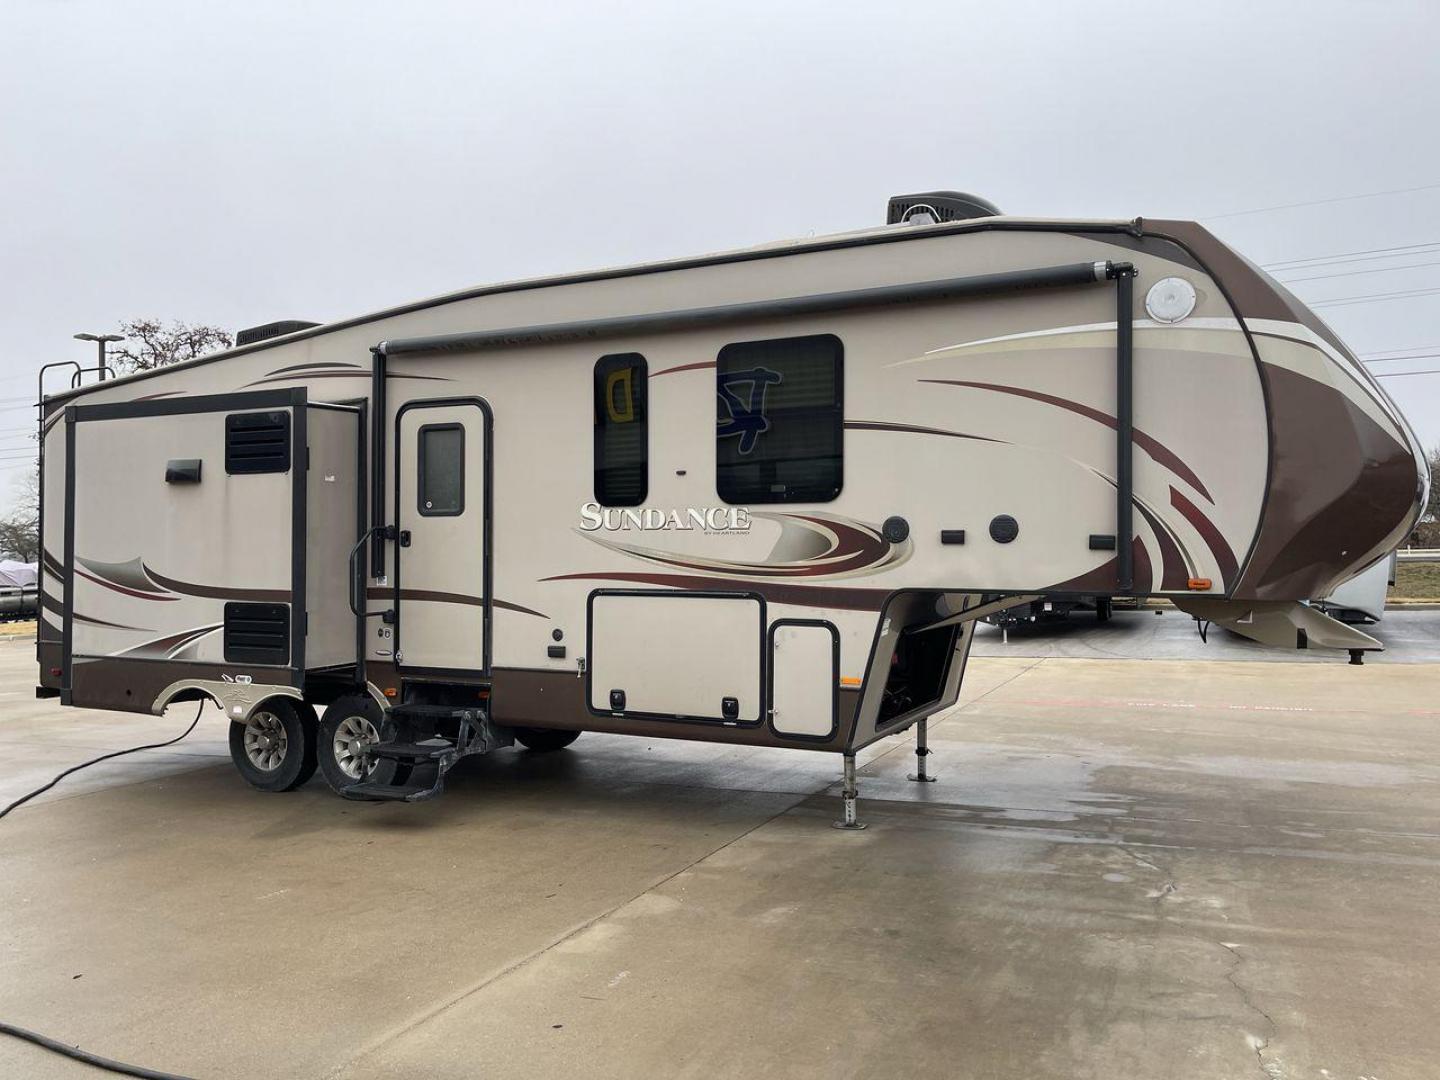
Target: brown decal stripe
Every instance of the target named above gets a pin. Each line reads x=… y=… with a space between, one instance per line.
x=358 y=374
x=435 y=597
x=52 y=564
x=1156 y=449
x=1213 y=537
x=122 y=588
x=1173 y=572
x=911 y=429
x=1105 y=578
x=316 y=366
x=157 y=397
x=847 y=599
x=162 y=647
x=50 y=604
x=108 y=625
x=217 y=592
x=683 y=367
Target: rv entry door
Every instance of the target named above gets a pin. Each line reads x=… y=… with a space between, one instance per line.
x=442 y=554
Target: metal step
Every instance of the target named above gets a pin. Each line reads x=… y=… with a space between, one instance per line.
x=425 y=750
x=411 y=711
x=409 y=793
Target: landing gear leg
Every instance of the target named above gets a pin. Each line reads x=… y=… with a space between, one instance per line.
x=849 y=793
x=1357 y=656
x=922 y=751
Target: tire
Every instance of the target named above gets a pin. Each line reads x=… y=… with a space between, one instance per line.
x=544 y=740
x=1103 y=609
x=348 y=720
x=274 y=749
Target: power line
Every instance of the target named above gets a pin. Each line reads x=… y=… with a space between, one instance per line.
x=1414 y=356
x=1403 y=348
x=1345 y=301
x=1364 y=255
x=1352 y=273
x=1321 y=202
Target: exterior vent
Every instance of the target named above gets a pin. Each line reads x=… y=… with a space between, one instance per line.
x=250 y=335
x=940 y=206
x=257 y=633
x=257 y=442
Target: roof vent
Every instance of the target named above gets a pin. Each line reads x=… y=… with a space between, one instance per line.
x=251 y=335
x=928 y=207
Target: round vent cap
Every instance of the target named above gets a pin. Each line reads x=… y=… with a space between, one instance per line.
x=1004 y=528
x=1170 y=300
x=895 y=529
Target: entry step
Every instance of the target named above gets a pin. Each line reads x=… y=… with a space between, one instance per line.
x=424 y=750
x=393 y=792
x=473 y=713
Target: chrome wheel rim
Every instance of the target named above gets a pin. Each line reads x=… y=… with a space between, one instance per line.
x=265 y=741
x=353 y=736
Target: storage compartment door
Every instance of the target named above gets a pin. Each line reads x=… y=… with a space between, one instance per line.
x=677 y=655
x=804 y=674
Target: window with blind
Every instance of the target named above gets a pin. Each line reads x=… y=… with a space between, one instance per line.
x=622 y=450
x=780 y=420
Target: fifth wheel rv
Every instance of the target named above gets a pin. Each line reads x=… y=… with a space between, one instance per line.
x=758 y=497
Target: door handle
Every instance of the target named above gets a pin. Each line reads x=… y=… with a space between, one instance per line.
x=404 y=537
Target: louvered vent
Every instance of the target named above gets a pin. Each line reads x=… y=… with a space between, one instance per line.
x=257 y=633
x=257 y=442
x=940 y=205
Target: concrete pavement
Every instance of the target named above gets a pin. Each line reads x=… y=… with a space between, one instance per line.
x=1127 y=868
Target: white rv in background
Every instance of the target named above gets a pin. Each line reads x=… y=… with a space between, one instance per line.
x=1361 y=599
x=758 y=497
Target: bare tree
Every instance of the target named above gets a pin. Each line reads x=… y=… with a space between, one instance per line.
x=150 y=344
x=1427 y=530
x=20 y=528
x=1432 y=508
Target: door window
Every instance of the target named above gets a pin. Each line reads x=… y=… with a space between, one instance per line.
x=441 y=485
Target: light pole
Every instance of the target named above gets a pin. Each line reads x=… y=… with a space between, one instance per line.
x=101 y=340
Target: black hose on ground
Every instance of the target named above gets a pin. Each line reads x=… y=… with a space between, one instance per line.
x=104 y=757
x=74 y=1052
x=85 y=1055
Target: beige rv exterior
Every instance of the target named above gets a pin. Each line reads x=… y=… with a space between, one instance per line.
x=989 y=409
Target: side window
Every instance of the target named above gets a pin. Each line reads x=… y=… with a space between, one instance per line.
x=780 y=420
x=440 y=489
x=622 y=425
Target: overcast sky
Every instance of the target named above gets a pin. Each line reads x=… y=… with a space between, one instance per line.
x=241 y=162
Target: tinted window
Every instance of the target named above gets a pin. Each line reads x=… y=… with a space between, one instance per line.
x=622 y=447
x=441 y=487
x=779 y=420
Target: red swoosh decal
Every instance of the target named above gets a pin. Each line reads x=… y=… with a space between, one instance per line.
x=122 y=588
x=911 y=429
x=1213 y=537
x=683 y=367
x=1105 y=578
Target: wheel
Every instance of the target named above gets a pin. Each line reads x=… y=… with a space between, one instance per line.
x=350 y=723
x=1103 y=609
x=274 y=750
x=544 y=740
